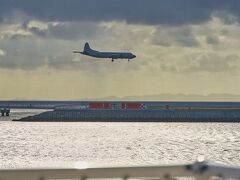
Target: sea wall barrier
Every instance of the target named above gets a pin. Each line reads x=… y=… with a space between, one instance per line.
x=167 y=115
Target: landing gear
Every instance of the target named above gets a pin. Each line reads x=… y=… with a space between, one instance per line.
x=112 y=60
x=128 y=60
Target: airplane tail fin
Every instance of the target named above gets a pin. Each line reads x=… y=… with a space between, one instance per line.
x=86 y=47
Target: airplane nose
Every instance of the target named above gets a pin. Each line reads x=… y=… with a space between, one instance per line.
x=134 y=56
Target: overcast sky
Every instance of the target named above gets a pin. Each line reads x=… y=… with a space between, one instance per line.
x=182 y=47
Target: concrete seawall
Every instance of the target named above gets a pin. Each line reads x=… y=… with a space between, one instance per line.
x=174 y=115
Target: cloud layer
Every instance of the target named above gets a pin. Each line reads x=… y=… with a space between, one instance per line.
x=173 y=12
x=209 y=47
x=182 y=46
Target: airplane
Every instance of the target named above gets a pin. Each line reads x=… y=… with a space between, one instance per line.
x=112 y=55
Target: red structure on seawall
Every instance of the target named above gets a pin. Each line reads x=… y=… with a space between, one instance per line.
x=123 y=105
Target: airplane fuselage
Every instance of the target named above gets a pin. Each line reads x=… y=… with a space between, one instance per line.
x=111 y=55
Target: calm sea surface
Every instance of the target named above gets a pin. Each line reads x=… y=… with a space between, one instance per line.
x=30 y=144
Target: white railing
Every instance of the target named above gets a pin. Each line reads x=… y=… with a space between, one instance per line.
x=199 y=170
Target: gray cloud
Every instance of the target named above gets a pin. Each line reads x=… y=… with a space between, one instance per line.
x=180 y=36
x=17 y=57
x=185 y=37
x=2 y=52
x=202 y=63
x=52 y=45
x=31 y=53
x=73 y=30
x=212 y=39
x=63 y=30
x=171 y=12
x=212 y=62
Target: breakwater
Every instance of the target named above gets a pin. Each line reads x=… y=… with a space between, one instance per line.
x=166 y=115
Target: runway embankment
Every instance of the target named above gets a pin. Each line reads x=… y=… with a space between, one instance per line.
x=166 y=115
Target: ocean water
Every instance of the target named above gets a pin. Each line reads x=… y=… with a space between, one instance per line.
x=54 y=144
